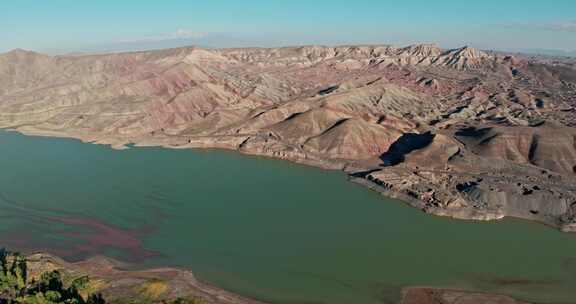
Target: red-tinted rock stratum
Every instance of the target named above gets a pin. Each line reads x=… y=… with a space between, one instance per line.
x=462 y=133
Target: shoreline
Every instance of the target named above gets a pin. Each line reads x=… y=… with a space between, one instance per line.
x=156 y=285
x=347 y=168
x=408 y=200
x=457 y=133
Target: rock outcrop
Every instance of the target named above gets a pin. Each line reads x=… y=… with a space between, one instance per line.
x=419 y=295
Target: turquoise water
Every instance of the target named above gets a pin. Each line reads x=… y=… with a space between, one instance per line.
x=265 y=228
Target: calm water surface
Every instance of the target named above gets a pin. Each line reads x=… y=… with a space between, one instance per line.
x=269 y=229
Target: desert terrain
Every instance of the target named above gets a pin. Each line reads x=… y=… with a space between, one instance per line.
x=463 y=133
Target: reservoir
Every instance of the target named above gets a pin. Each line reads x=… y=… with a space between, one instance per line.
x=264 y=228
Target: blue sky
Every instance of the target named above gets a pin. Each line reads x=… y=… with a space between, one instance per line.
x=67 y=25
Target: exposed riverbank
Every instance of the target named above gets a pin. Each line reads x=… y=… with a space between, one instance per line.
x=168 y=284
x=119 y=286
x=390 y=188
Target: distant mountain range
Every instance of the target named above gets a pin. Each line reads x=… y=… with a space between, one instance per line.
x=213 y=41
x=549 y=52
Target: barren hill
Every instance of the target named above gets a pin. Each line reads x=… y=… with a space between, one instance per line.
x=462 y=132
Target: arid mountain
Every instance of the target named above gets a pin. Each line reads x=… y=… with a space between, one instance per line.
x=462 y=133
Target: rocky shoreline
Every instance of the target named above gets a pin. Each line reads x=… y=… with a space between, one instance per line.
x=160 y=285
x=357 y=173
x=153 y=285
x=426 y=295
x=462 y=214
x=461 y=132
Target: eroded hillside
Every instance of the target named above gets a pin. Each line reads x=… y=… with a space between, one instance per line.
x=461 y=133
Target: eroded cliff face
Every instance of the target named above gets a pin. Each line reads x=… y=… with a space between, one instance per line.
x=461 y=132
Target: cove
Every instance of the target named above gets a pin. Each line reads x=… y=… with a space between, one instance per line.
x=264 y=228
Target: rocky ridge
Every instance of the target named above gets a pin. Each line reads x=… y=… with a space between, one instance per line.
x=461 y=133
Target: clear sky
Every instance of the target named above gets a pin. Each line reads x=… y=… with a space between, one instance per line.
x=82 y=25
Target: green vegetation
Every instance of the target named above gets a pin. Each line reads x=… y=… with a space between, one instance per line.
x=186 y=301
x=177 y=301
x=15 y=286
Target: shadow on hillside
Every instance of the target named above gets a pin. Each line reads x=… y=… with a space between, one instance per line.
x=407 y=143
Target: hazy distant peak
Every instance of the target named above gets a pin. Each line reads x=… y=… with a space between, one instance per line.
x=423 y=50
x=469 y=52
x=19 y=51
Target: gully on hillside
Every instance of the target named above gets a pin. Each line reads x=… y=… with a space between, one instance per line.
x=504 y=124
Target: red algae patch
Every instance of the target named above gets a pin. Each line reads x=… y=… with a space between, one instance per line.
x=99 y=237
